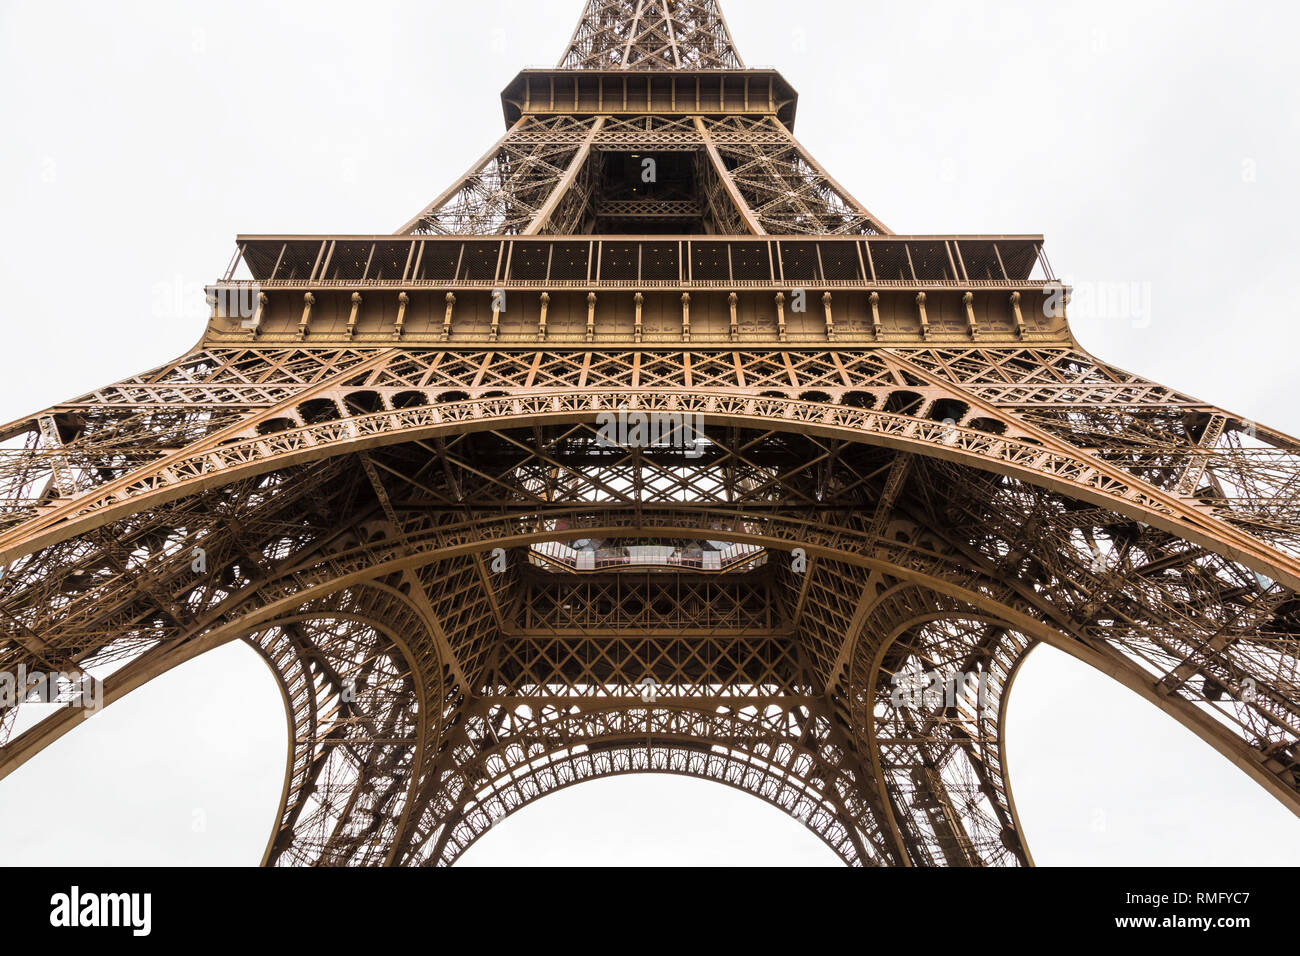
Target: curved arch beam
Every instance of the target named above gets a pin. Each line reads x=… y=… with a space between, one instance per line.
x=955 y=805
x=783 y=757
x=266 y=602
x=1044 y=461
x=310 y=684
x=571 y=771
x=311 y=678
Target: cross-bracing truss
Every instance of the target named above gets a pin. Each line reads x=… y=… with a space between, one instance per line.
x=952 y=514
x=471 y=598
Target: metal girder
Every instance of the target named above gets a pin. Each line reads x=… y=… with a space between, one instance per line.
x=652 y=35
x=399 y=487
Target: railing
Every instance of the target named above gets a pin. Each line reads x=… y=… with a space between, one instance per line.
x=635 y=284
x=665 y=556
x=645 y=261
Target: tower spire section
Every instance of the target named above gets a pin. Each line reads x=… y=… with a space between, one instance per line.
x=652 y=35
x=651 y=124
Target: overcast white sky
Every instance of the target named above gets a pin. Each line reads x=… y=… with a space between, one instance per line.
x=1152 y=143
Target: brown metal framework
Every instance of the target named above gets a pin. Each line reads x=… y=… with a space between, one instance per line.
x=388 y=450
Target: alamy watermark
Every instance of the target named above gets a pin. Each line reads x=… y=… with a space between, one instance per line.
x=632 y=429
x=67 y=690
x=179 y=299
x=649 y=690
x=929 y=690
x=77 y=909
x=1122 y=301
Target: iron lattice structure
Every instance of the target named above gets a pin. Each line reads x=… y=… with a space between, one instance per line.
x=389 y=450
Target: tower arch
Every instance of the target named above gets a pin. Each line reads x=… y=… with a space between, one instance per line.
x=885 y=454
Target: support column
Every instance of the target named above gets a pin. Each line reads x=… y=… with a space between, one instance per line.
x=446 y=318
x=352 y=318
x=308 y=300
x=724 y=177
x=403 y=300
x=968 y=300
x=564 y=185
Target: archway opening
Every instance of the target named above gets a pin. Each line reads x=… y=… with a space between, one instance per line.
x=186 y=771
x=1101 y=777
x=649 y=819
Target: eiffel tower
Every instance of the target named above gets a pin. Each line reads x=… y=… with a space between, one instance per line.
x=646 y=447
